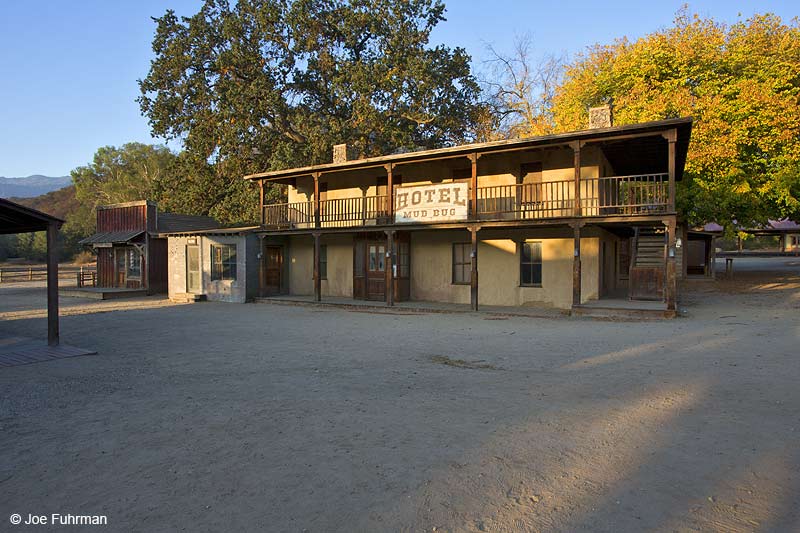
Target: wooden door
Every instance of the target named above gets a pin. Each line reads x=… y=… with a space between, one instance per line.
x=359 y=269
x=273 y=267
x=120 y=267
x=376 y=270
x=193 y=269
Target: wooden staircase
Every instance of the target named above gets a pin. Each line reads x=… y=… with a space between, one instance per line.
x=647 y=265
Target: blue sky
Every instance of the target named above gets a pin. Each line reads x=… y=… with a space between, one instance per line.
x=70 y=68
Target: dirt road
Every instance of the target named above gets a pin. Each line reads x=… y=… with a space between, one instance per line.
x=224 y=417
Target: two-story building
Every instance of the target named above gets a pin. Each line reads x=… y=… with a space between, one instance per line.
x=556 y=220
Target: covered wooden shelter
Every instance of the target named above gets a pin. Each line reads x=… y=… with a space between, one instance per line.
x=16 y=218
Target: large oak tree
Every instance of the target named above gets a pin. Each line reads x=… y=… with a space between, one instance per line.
x=268 y=84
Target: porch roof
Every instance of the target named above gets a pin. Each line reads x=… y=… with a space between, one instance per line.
x=622 y=155
x=112 y=237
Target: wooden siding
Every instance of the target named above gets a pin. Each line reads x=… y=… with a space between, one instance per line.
x=122 y=218
x=157 y=271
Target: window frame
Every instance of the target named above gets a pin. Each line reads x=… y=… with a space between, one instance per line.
x=531 y=263
x=130 y=254
x=218 y=267
x=466 y=261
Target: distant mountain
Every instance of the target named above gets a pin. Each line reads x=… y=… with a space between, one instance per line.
x=31 y=186
x=58 y=203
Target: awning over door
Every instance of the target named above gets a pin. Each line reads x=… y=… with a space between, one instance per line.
x=111 y=237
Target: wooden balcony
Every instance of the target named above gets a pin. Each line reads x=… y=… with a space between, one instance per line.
x=599 y=197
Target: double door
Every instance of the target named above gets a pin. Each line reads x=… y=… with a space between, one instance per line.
x=370 y=263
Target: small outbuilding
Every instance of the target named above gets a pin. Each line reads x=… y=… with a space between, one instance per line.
x=216 y=264
x=131 y=255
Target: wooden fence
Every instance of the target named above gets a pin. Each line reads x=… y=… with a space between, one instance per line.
x=84 y=276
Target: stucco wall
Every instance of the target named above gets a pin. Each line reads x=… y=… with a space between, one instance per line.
x=220 y=290
x=498 y=266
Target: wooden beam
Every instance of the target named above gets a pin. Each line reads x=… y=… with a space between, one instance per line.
x=576 y=265
x=316 y=176
x=389 y=265
x=473 y=289
x=390 y=191
x=317 y=279
x=473 y=159
x=52 y=284
x=670 y=277
x=576 y=161
x=261 y=200
x=672 y=137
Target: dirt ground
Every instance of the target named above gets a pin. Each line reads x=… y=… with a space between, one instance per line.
x=261 y=417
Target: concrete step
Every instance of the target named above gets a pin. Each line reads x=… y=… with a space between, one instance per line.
x=619 y=313
x=187 y=297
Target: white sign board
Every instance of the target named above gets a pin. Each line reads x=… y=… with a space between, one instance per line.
x=431 y=203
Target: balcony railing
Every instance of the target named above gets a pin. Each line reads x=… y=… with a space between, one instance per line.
x=608 y=196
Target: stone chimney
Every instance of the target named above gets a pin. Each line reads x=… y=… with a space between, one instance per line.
x=343 y=153
x=600 y=117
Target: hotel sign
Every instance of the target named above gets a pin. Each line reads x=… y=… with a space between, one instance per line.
x=431 y=203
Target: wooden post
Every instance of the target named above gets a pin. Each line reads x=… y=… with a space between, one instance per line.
x=389 y=265
x=317 y=279
x=473 y=292
x=316 y=175
x=671 y=136
x=670 y=277
x=30 y=273
x=390 y=192
x=473 y=159
x=576 y=265
x=52 y=284
x=576 y=161
x=261 y=200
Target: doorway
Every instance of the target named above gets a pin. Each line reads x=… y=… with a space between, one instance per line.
x=369 y=267
x=193 y=269
x=273 y=266
x=120 y=267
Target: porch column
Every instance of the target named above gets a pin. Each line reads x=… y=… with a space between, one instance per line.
x=390 y=192
x=576 y=161
x=316 y=175
x=261 y=200
x=52 y=284
x=473 y=159
x=473 y=290
x=576 y=265
x=389 y=264
x=671 y=136
x=670 y=278
x=317 y=279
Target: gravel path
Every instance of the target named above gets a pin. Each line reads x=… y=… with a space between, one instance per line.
x=224 y=417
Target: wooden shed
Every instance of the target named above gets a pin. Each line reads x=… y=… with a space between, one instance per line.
x=131 y=257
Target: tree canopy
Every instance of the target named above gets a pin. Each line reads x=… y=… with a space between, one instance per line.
x=267 y=84
x=741 y=83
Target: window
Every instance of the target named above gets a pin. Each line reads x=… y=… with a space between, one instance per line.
x=134 y=262
x=223 y=262
x=323 y=261
x=376 y=257
x=403 y=269
x=462 y=263
x=530 y=265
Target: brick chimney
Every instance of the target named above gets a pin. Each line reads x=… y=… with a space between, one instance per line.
x=600 y=117
x=343 y=153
